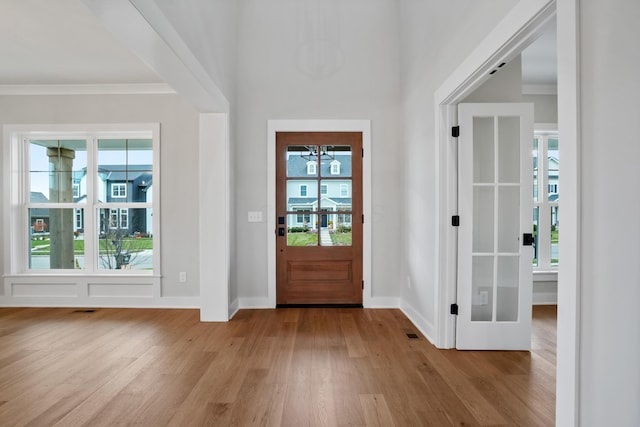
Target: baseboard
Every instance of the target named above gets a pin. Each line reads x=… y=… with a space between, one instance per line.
x=381 y=302
x=255 y=303
x=424 y=326
x=545 y=298
x=102 y=302
x=233 y=308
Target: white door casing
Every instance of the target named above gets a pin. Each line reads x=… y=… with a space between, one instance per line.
x=495 y=205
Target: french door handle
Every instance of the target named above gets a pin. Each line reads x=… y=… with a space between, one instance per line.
x=527 y=239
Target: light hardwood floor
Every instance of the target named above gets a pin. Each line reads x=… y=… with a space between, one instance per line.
x=284 y=367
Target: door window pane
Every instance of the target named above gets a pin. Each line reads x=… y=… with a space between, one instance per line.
x=483 y=211
x=555 y=234
x=509 y=229
x=301 y=229
x=483 y=150
x=508 y=289
x=536 y=215
x=302 y=161
x=554 y=169
x=335 y=161
x=482 y=289
x=535 y=169
x=509 y=149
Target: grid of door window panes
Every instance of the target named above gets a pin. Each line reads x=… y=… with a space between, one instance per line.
x=318 y=194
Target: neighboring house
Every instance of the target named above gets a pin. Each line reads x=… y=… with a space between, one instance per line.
x=39 y=216
x=118 y=184
x=335 y=192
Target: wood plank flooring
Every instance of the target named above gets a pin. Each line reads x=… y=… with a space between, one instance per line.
x=284 y=367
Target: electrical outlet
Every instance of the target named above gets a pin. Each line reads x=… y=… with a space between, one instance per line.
x=183 y=277
x=484 y=297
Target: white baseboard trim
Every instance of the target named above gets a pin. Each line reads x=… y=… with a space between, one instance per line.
x=233 y=308
x=254 y=303
x=545 y=298
x=381 y=302
x=425 y=327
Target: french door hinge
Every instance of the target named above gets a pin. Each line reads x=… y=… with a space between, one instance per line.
x=363 y=152
x=363 y=218
x=455 y=220
x=363 y=285
x=454 y=309
x=455 y=131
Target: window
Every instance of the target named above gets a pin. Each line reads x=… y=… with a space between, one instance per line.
x=344 y=190
x=303 y=191
x=303 y=219
x=312 y=168
x=119 y=191
x=84 y=196
x=335 y=167
x=546 y=200
x=323 y=189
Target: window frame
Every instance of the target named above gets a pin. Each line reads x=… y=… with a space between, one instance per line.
x=304 y=190
x=120 y=186
x=544 y=206
x=17 y=188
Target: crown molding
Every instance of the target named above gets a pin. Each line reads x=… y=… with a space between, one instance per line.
x=88 y=89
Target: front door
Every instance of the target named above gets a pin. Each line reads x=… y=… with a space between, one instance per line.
x=319 y=218
x=495 y=235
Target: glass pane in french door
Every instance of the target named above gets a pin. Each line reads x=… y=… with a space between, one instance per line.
x=555 y=234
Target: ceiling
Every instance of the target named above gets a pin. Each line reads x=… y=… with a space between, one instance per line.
x=44 y=42
x=61 y=42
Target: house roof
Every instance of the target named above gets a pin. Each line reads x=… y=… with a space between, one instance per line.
x=312 y=200
x=126 y=172
x=297 y=166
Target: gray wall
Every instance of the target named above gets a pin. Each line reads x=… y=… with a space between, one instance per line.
x=545 y=107
x=610 y=288
x=430 y=52
x=179 y=160
x=356 y=77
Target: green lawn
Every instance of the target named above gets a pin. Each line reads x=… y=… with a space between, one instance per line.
x=42 y=247
x=341 y=239
x=302 y=239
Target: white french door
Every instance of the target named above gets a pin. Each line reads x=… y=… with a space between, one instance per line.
x=495 y=255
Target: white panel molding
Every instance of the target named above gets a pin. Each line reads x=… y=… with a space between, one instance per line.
x=89 y=291
x=88 y=89
x=234 y=306
x=363 y=126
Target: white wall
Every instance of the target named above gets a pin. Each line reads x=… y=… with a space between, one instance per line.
x=208 y=28
x=503 y=86
x=179 y=160
x=545 y=107
x=610 y=288
x=431 y=49
x=283 y=74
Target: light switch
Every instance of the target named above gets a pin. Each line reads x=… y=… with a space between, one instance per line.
x=254 y=216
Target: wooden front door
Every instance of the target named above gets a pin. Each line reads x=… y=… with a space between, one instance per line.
x=319 y=218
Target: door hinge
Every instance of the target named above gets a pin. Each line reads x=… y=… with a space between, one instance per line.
x=363 y=152
x=363 y=285
x=455 y=220
x=454 y=309
x=455 y=131
x=363 y=218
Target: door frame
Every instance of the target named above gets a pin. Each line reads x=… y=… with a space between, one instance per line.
x=274 y=126
x=516 y=31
